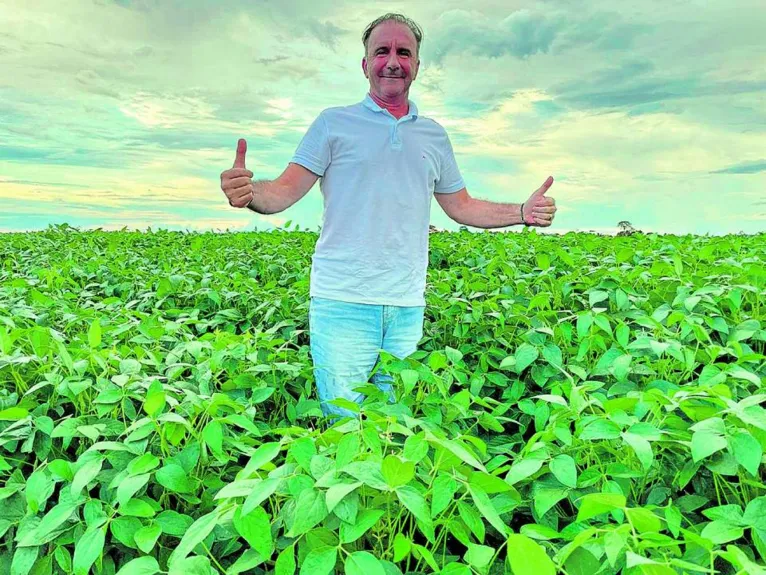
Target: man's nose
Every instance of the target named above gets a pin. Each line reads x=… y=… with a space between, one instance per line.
x=393 y=61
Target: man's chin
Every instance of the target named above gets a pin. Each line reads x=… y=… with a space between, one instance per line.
x=392 y=91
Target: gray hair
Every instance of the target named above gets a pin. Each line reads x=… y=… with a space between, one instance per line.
x=391 y=16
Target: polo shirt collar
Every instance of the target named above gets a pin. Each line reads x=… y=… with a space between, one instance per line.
x=373 y=105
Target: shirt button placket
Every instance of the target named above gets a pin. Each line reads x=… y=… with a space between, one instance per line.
x=396 y=142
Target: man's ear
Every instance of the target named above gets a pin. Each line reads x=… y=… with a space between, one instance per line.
x=364 y=66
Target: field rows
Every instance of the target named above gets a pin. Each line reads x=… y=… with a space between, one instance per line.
x=578 y=404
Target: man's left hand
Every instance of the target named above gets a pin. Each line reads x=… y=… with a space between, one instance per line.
x=539 y=209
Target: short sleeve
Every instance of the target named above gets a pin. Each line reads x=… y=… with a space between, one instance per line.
x=313 y=152
x=450 y=180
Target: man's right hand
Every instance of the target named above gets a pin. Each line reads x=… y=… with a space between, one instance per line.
x=237 y=182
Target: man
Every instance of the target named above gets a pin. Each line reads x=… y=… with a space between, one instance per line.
x=380 y=164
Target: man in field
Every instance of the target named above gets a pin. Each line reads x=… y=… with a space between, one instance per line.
x=380 y=163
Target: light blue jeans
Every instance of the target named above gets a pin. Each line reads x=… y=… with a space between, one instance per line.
x=346 y=339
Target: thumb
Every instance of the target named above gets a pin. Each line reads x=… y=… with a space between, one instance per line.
x=239 y=161
x=544 y=188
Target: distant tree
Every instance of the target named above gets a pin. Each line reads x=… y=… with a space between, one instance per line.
x=626 y=228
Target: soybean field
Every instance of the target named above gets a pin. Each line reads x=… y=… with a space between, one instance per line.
x=579 y=404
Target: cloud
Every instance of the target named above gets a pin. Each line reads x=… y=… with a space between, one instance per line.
x=267 y=61
x=521 y=34
x=6 y=180
x=630 y=91
x=606 y=31
x=526 y=32
x=744 y=168
x=600 y=159
x=650 y=113
x=327 y=33
x=93 y=82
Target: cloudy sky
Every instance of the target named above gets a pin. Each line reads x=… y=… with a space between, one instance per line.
x=123 y=113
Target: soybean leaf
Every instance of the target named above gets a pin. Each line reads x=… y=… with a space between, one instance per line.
x=196 y=533
x=319 y=561
x=486 y=508
x=364 y=521
x=397 y=472
x=255 y=528
x=527 y=557
x=140 y=566
x=747 y=451
x=313 y=509
x=174 y=478
x=285 y=564
x=363 y=563
x=595 y=504
x=564 y=469
x=87 y=549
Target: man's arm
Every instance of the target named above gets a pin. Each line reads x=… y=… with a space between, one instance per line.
x=273 y=196
x=479 y=213
x=539 y=210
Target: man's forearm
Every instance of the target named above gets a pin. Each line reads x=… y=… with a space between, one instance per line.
x=267 y=198
x=484 y=214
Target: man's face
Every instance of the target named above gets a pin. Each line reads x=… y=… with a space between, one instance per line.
x=392 y=61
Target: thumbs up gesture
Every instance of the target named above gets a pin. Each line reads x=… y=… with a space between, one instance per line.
x=237 y=182
x=539 y=209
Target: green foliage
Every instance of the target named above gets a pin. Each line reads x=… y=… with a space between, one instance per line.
x=578 y=404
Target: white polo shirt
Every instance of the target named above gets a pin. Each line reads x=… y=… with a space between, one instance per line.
x=378 y=176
